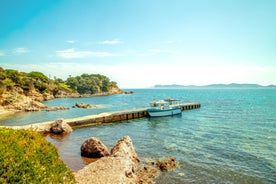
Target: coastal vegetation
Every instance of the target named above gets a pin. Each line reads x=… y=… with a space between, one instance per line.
x=22 y=91
x=84 y=84
x=26 y=157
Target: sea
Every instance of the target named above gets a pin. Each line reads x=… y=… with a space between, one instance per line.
x=231 y=138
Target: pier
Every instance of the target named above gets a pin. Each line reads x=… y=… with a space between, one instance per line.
x=110 y=117
x=106 y=117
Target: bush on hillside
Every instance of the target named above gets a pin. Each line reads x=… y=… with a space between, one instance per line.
x=26 y=157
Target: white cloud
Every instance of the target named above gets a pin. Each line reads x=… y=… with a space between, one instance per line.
x=21 y=50
x=72 y=53
x=111 y=42
x=71 y=41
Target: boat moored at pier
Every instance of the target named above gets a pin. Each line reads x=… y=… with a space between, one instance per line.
x=167 y=107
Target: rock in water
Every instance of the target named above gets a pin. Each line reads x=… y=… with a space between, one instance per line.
x=60 y=127
x=124 y=148
x=117 y=168
x=82 y=105
x=94 y=148
x=56 y=129
x=166 y=164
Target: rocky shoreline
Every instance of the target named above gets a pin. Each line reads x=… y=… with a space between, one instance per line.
x=119 y=165
x=19 y=101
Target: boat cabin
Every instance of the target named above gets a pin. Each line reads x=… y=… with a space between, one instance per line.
x=161 y=104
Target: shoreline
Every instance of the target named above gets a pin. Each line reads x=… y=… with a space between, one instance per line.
x=36 y=105
x=4 y=113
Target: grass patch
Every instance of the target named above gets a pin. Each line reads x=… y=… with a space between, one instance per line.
x=65 y=87
x=26 y=157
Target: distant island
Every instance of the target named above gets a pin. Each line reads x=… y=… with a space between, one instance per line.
x=232 y=85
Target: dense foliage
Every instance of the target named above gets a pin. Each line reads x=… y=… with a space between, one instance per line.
x=93 y=83
x=26 y=157
x=84 y=84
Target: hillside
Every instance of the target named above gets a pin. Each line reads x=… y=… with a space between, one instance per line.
x=24 y=91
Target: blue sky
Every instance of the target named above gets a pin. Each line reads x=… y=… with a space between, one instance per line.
x=140 y=43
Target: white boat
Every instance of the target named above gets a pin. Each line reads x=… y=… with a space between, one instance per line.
x=167 y=107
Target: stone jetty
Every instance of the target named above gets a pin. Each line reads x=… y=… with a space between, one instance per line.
x=106 y=117
x=110 y=117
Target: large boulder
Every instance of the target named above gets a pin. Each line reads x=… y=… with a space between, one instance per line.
x=119 y=167
x=60 y=127
x=94 y=148
x=124 y=148
x=123 y=166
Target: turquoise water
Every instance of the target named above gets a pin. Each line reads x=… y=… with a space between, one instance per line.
x=230 y=139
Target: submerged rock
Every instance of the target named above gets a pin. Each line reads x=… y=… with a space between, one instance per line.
x=166 y=164
x=147 y=174
x=94 y=148
x=58 y=108
x=82 y=105
x=128 y=92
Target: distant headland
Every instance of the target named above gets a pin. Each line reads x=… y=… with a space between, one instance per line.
x=21 y=91
x=232 y=85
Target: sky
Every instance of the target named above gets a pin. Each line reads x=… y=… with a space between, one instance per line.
x=140 y=43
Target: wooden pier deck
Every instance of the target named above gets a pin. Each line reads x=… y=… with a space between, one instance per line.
x=109 y=117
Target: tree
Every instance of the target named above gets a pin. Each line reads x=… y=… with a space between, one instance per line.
x=39 y=80
x=72 y=82
x=83 y=84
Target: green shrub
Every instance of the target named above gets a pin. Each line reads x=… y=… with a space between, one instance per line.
x=26 y=157
x=38 y=76
x=65 y=87
x=8 y=83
